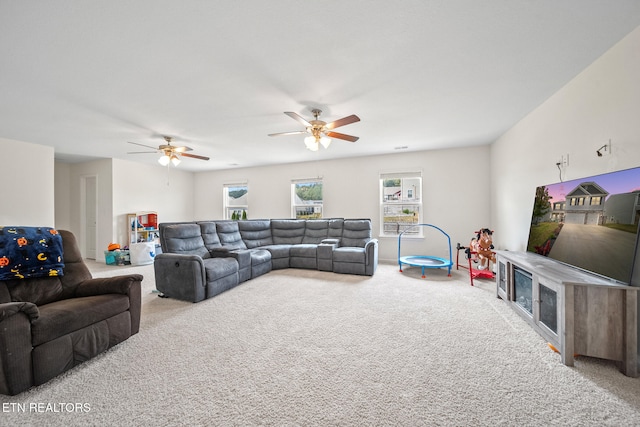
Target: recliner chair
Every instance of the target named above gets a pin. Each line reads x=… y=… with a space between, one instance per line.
x=48 y=325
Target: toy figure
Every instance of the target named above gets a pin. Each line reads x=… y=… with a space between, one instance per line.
x=472 y=252
x=485 y=246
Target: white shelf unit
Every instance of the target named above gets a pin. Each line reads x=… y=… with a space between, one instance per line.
x=143 y=227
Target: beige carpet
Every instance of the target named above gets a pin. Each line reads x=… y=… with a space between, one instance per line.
x=309 y=348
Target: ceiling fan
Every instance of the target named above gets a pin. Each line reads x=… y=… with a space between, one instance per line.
x=170 y=153
x=320 y=132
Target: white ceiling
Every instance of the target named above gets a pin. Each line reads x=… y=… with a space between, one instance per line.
x=87 y=76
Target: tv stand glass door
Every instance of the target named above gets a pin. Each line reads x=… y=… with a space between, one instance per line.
x=548 y=308
x=523 y=289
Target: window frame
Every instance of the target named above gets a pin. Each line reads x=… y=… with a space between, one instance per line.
x=228 y=208
x=388 y=202
x=316 y=206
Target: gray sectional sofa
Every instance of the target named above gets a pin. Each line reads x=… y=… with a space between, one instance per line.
x=201 y=259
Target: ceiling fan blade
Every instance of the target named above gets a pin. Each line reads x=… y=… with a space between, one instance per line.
x=143 y=145
x=342 y=136
x=174 y=148
x=342 y=122
x=298 y=117
x=181 y=149
x=296 y=132
x=141 y=152
x=194 y=156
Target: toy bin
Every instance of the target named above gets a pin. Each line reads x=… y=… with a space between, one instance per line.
x=142 y=253
x=116 y=257
x=110 y=257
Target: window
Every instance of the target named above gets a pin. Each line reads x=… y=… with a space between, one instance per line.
x=596 y=200
x=400 y=203
x=236 y=204
x=306 y=199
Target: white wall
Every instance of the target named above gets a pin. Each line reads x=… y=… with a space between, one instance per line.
x=601 y=103
x=141 y=187
x=62 y=181
x=26 y=173
x=455 y=193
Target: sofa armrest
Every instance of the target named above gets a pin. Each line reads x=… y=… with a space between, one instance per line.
x=371 y=242
x=243 y=256
x=108 y=285
x=335 y=242
x=9 y=309
x=220 y=252
x=180 y=276
x=371 y=256
x=171 y=258
x=370 y=248
x=16 y=372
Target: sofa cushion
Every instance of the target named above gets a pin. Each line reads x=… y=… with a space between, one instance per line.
x=63 y=317
x=256 y=232
x=185 y=239
x=38 y=291
x=229 y=235
x=335 y=228
x=287 y=231
x=217 y=268
x=260 y=256
x=303 y=250
x=315 y=231
x=75 y=270
x=78 y=346
x=278 y=251
x=356 y=232
x=210 y=235
x=349 y=254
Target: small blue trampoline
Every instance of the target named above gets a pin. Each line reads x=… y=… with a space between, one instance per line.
x=424 y=261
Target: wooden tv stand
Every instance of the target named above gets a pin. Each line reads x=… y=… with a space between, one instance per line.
x=577 y=312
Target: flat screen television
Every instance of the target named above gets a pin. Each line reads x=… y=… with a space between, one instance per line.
x=589 y=223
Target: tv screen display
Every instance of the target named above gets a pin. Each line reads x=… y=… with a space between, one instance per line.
x=590 y=223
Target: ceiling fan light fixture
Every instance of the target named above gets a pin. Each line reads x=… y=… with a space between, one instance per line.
x=311 y=142
x=164 y=160
x=175 y=160
x=325 y=141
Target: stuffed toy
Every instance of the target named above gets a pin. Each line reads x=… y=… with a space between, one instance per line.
x=472 y=251
x=485 y=252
